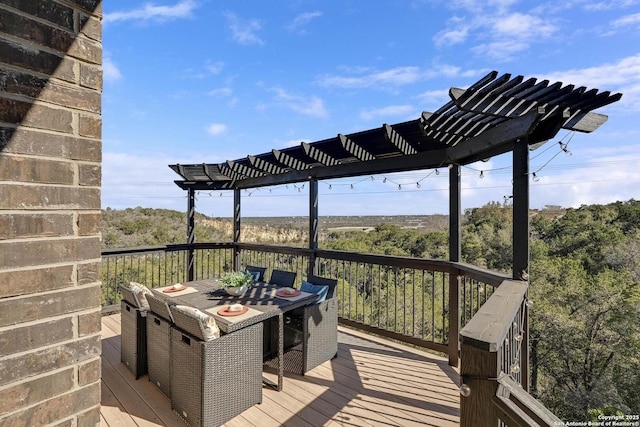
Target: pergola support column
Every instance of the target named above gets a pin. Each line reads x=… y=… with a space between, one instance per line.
x=313 y=225
x=521 y=239
x=236 y=228
x=191 y=231
x=455 y=250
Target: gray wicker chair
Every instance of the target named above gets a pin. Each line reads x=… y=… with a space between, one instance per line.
x=311 y=332
x=214 y=381
x=260 y=270
x=159 y=321
x=133 y=347
x=282 y=278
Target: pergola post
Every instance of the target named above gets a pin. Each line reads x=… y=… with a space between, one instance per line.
x=521 y=239
x=455 y=250
x=313 y=225
x=236 y=228
x=191 y=231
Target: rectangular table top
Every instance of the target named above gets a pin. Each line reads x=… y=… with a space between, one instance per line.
x=208 y=295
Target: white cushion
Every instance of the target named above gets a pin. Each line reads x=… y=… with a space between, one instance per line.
x=208 y=325
x=140 y=293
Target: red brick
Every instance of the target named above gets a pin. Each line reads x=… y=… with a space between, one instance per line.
x=17 y=254
x=91 y=27
x=29 y=169
x=91 y=76
x=34 y=142
x=36 y=32
x=56 y=409
x=90 y=323
x=88 y=224
x=29 y=59
x=39 y=362
x=91 y=418
x=89 y=273
x=73 y=97
x=89 y=372
x=45 y=197
x=30 y=392
x=49 y=118
x=39 y=307
x=46 y=10
x=18 y=226
x=86 y=50
x=90 y=126
x=90 y=175
x=17 y=339
x=24 y=282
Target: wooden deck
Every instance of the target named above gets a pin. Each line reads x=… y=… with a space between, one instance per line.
x=372 y=382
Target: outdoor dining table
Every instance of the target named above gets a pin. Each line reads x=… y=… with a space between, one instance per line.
x=261 y=302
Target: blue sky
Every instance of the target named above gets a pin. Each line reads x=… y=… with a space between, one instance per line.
x=193 y=81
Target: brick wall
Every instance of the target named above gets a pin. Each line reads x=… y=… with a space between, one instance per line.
x=50 y=164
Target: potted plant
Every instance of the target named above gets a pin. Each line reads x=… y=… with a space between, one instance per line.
x=236 y=283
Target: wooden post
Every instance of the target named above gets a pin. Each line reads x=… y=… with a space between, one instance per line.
x=191 y=231
x=236 y=228
x=455 y=250
x=478 y=370
x=313 y=225
x=521 y=239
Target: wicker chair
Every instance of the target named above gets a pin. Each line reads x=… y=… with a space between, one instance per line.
x=159 y=321
x=260 y=270
x=311 y=332
x=282 y=278
x=133 y=347
x=214 y=381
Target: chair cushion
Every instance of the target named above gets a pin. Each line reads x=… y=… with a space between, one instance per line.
x=140 y=293
x=208 y=325
x=319 y=290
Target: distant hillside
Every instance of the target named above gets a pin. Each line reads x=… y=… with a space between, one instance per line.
x=138 y=227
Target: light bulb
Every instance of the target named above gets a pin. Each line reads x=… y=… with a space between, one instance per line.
x=465 y=390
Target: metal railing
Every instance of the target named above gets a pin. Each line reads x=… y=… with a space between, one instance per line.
x=404 y=298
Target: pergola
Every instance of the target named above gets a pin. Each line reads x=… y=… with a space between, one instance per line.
x=495 y=115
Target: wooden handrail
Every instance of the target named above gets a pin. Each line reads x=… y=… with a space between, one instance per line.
x=490 y=325
x=518 y=408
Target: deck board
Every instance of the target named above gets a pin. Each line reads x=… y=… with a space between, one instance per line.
x=372 y=382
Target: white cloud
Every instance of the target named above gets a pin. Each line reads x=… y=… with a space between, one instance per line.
x=386 y=112
x=215 y=67
x=110 y=70
x=364 y=78
x=148 y=184
x=621 y=76
x=498 y=32
x=215 y=129
x=523 y=26
x=151 y=12
x=221 y=92
x=393 y=77
x=300 y=21
x=307 y=105
x=244 y=31
x=627 y=21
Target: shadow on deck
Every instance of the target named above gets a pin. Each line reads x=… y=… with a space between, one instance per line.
x=372 y=382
